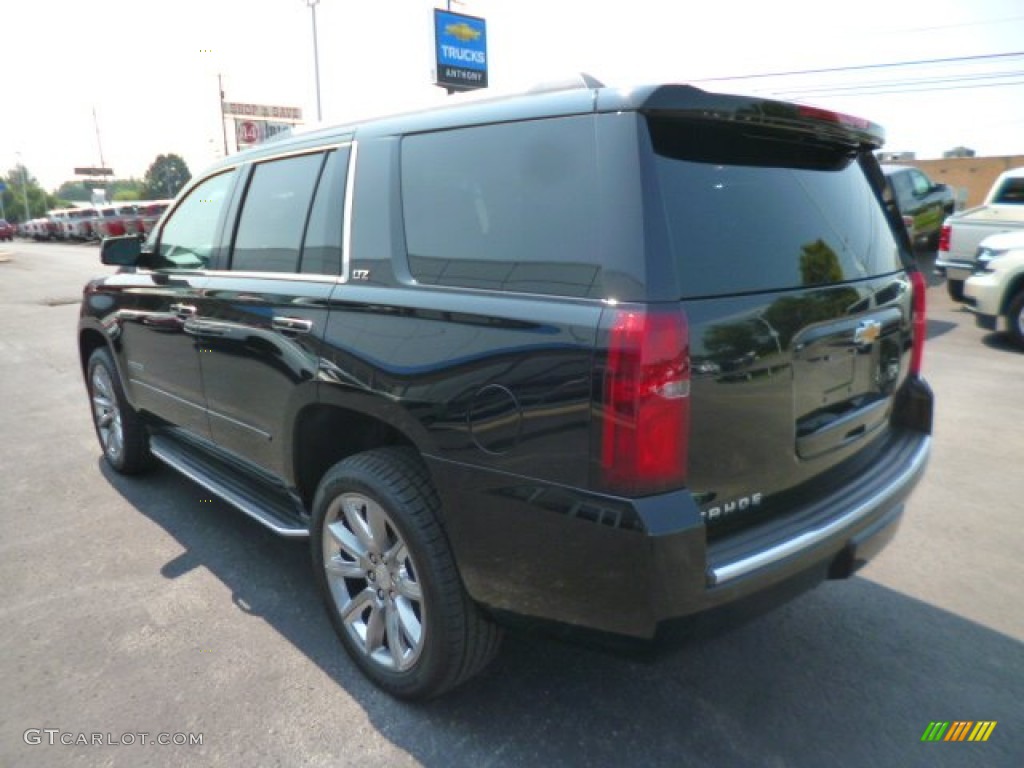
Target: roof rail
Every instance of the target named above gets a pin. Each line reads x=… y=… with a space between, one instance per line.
x=578 y=81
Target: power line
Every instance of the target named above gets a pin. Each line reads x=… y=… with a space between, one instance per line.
x=782 y=94
x=898 y=83
x=903 y=30
x=955 y=59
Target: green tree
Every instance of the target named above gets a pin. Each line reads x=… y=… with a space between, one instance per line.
x=165 y=177
x=20 y=184
x=125 y=189
x=73 y=191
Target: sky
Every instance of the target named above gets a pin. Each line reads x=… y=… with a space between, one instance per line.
x=149 y=69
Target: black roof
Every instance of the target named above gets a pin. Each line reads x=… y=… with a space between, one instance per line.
x=682 y=100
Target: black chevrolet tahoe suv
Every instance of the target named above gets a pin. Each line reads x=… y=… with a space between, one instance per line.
x=609 y=360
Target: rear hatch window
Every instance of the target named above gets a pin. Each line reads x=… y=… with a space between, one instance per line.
x=1010 y=193
x=750 y=212
x=797 y=303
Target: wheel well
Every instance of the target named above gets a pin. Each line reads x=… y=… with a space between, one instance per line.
x=88 y=343
x=324 y=435
x=1011 y=293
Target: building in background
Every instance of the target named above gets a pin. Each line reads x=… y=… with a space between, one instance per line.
x=970 y=177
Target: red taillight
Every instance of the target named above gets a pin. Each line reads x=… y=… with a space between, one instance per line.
x=944 y=237
x=646 y=430
x=829 y=116
x=919 y=321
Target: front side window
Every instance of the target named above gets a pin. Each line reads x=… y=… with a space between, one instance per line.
x=189 y=237
x=274 y=214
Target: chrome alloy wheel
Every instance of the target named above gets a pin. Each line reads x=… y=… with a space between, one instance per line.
x=106 y=413
x=373 y=582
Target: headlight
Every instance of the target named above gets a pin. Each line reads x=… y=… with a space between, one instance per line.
x=983 y=260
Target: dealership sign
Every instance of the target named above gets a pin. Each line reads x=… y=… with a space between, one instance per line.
x=460 y=44
x=249 y=132
x=263 y=111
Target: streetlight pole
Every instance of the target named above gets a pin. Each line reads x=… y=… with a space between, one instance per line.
x=316 y=58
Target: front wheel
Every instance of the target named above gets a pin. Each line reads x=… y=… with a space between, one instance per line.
x=122 y=435
x=389 y=580
x=955 y=289
x=1015 y=320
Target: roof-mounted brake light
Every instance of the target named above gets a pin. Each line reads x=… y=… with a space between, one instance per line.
x=828 y=116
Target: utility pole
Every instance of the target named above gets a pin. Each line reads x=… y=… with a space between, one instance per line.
x=103 y=164
x=316 y=59
x=223 y=126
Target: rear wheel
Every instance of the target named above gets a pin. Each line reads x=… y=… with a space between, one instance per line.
x=389 y=580
x=956 y=289
x=1015 y=319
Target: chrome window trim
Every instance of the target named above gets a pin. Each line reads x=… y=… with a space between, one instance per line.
x=346 y=236
x=303 y=277
x=318 y=149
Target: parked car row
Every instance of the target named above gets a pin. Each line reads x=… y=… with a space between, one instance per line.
x=96 y=222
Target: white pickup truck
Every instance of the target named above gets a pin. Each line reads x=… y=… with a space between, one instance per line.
x=1002 y=211
x=996 y=289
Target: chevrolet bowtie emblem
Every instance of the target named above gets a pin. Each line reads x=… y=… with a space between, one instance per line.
x=867 y=332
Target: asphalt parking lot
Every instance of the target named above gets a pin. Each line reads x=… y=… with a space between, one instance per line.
x=143 y=606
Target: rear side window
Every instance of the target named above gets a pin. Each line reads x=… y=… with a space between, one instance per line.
x=1011 y=192
x=321 y=251
x=273 y=219
x=748 y=213
x=921 y=184
x=506 y=207
x=901 y=185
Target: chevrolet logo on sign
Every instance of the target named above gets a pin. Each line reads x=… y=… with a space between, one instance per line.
x=462 y=31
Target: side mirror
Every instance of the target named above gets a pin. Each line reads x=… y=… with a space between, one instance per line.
x=121 y=251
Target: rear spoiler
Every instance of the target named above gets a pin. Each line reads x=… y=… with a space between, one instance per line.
x=688 y=102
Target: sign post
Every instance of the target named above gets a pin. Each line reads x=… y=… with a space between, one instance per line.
x=460 y=46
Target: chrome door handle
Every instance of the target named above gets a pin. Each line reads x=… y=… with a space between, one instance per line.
x=292 y=324
x=183 y=310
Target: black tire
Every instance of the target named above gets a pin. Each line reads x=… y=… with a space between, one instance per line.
x=410 y=627
x=1015 y=319
x=955 y=289
x=122 y=435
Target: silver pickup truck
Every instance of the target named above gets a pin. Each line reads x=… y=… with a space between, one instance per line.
x=1002 y=211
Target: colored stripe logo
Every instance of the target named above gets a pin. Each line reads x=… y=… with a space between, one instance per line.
x=959 y=730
